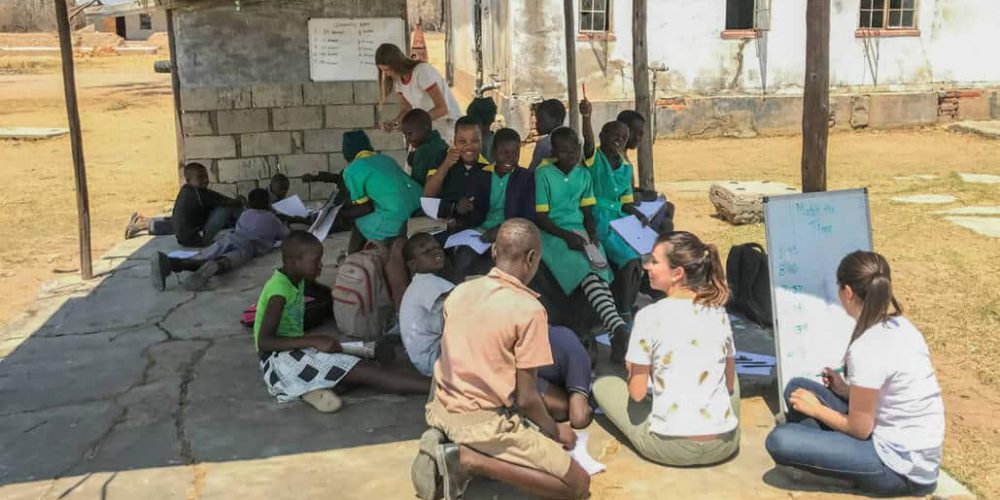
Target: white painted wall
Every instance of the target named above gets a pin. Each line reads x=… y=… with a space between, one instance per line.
x=956 y=47
x=133 y=32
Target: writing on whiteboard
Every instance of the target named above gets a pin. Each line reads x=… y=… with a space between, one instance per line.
x=344 y=49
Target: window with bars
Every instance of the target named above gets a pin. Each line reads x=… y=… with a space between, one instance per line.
x=145 y=22
x=888 y=14
x=594 y=16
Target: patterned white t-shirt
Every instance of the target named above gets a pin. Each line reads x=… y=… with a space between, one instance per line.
x=686 y=346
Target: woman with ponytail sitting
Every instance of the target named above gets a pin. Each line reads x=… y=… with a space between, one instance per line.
x=684 y=343
x=883 y=427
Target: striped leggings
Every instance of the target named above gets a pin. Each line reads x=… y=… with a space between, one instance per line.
x=598 y=293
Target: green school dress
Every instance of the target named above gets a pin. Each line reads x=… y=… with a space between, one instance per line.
x=562 y=196
x=427 y=157
x=498 y=201
x=395 y=196
x=612 y=188
x=292 y=315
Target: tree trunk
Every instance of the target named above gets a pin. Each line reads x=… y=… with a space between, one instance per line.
x=643 y=101
x=816 y=98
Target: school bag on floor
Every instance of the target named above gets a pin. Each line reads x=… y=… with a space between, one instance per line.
x=749 y=283
x=362 y=305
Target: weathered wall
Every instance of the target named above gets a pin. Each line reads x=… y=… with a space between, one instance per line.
x=248 y=107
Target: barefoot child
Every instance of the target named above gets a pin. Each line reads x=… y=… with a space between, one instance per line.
x=685 y=345
x=881 y=428
x=295 y=365
x=564 y=197
x=494 y=340
x=257 y=230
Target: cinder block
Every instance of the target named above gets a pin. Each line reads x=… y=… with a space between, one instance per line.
x=266 y=143
x=241 y=121
x=387 y=111
x=209 y=146
x=386 y=141
x=214 y=98
x=245 y=169
x=323 y=93
x=337 y=162
x=366 y=92
x=227 y=188
x=321 y=191
x=196 y=123
x=397 y=154
x=299 y=165
x=277 y=96
x=243 y=188
x=297 y=118
x=350 y=116
x=323 y=141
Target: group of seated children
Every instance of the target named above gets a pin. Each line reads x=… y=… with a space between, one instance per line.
x=509 y=388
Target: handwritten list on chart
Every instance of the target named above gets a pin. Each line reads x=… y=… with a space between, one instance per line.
x=807 y=237
x=344 y=49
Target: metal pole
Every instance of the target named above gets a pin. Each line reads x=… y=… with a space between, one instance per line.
x=569 y=19
x=816 y=96
x=75 y=138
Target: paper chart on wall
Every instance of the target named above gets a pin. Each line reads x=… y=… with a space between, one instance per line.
x=342 y=49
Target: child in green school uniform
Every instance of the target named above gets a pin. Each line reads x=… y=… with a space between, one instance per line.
x=564 y=200
x=427 y=148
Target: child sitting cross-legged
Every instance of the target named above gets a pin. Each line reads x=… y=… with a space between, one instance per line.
x=256 y=232
x=295 y=365
x=486 y=399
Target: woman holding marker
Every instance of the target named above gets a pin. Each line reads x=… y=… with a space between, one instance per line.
x=881 y=428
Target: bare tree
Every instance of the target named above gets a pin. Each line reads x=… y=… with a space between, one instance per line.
x=23 y=16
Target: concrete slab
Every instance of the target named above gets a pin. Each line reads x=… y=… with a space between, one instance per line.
x=986 y=226
x=742 y=202
x=926 y=199
x=917 y=177
x=985 y=210
x=31 y=133
x=987 y=129
x=980 y=178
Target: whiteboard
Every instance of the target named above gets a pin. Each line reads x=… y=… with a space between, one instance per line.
x=344 y=49
x=807 y=236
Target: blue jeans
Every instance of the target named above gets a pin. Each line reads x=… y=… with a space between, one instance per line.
x=806 y=444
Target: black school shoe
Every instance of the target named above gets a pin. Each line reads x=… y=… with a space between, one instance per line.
x=619 y=345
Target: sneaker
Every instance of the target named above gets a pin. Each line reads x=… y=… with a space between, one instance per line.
x=199 y=279
x=132 y=229
x=619 y=345
x=424 y=473
x=453 y=482
x=324 y=400
x=159 y=269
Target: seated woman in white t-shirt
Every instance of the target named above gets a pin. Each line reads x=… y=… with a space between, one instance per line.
x=419 y=86
x=684 y=343
x=883 y=427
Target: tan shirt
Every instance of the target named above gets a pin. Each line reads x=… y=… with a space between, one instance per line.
x=493 y=326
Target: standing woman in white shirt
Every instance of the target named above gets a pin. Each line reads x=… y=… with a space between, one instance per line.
x=419 y=86
x=684 y=343
x=883 y=427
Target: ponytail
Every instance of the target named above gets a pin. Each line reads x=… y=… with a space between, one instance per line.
x=867 y=274
x=702 y=264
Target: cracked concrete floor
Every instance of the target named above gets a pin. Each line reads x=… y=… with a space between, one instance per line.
x=112 y=390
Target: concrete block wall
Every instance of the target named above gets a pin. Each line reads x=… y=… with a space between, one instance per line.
x=244 y=135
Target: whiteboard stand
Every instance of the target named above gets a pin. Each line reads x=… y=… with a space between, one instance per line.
x=807 y=237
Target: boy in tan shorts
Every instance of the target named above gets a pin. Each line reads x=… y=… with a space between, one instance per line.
x=486 y=400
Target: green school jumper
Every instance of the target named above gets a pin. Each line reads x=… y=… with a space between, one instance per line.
x=562 y=196
x=498 y=201
x=612 y=188
x=395 y=196
x=427 y=156
x=294 y=311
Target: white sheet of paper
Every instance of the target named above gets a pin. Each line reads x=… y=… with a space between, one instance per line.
x=582 y=456
x=182 y=254
x=603 y=338
x=291 y=206
x=760 y=371
x=649 y=208
x=639 y=237
x=469 y=238
x=754 y=358
x=430 y=206
x=324 y=222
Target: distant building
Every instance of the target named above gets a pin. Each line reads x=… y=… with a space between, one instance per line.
x=129 y=19
x=892 y=62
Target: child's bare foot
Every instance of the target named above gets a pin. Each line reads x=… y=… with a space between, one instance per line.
x=324 y=400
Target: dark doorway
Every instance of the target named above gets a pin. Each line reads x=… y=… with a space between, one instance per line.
x=120 y=26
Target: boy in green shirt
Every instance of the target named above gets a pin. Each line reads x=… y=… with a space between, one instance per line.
x=427 y=148
x=295 y=365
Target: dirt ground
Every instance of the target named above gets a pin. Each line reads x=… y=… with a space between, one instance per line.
x=945 y=275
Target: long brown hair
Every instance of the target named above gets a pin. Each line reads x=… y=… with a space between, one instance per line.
x=703 y=271
x=868 y=275
x=390 y=55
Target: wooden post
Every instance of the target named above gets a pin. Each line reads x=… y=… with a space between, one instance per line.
x=175 y=85
x=569 y=20
x=643 y=101
x=449 y=56
x=75 y=138
x=816 y=98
